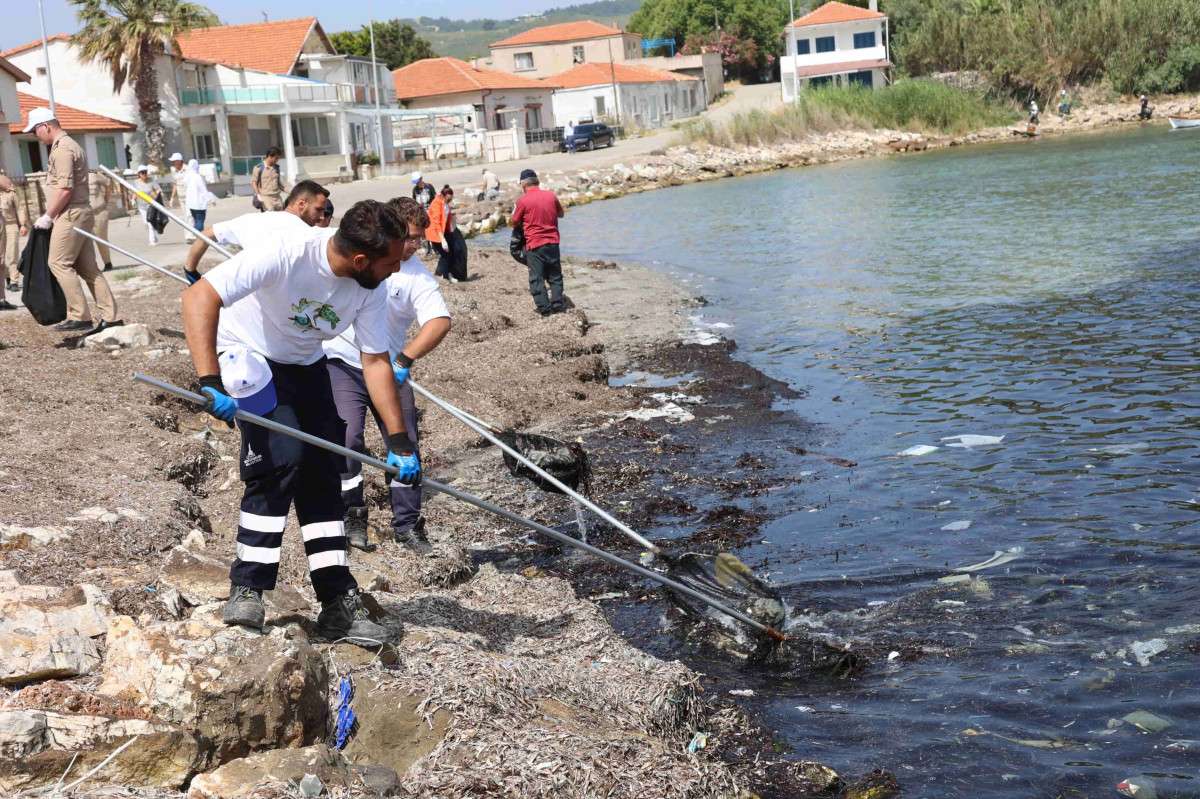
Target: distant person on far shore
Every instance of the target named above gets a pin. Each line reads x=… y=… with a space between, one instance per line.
x=1145 y=111
x=1064 y=104
x=538 y=212
x=1035 y=114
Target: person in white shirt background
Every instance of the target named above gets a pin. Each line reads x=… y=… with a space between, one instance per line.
x=178 y=179
x=196 y=196
x=255 y=327
x=412 y=296
x=147 y=186
x=303 y=209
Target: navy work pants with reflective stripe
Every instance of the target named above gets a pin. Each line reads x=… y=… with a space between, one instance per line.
x=353 y=402
x=279 y=470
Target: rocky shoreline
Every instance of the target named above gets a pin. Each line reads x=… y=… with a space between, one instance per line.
x=696 y=163
x=116 y=506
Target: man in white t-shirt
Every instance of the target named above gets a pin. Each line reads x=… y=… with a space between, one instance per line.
x=305 y=207
x=254 y=326
x=412 y=296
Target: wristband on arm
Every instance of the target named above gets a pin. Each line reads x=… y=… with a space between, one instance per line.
x=213 y=381
x=404 y=360
x=400 y=444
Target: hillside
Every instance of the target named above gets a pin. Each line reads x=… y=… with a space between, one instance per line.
x=468 y=38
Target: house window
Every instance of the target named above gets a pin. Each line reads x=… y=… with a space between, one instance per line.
x=577 y=54
x=204 y=146
x=824 y=80
x=601 y=109
x=31 y=156
x=310 y=131
x=803 y=46
x=862 y=40
x=826 y=44
x=106 y=151
x=863 y=79
x=522 y=61
x=666 y=103
x=533 y=117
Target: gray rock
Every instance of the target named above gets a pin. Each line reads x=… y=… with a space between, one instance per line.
x=46 y=632
x=123 y=337
x=239 y=778
x=14 y=536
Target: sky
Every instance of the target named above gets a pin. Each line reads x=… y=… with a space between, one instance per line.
x=350 y=14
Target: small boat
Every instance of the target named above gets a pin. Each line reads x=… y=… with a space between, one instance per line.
x=1183 y=122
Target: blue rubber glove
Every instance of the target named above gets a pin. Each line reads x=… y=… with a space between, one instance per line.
x=401 y=367
x=220 y=404
x=402 y=456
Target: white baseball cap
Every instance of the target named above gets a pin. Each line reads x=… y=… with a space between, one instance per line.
x=247 y=378
x=38 y=116
x=416 y=177
x=176 y=157
x=143 y=168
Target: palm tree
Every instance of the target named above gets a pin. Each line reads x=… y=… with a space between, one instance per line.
x=127 y=36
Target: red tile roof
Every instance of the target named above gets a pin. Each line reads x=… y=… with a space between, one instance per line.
x=562 y=32
x=72 y=119
x=836 y=12
x=431 y=77
x=265 y=46
x=17 y=73
x=12 y=51
x=595 y=74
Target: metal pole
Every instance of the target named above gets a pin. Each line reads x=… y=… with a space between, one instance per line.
x=185 y=225
x=470 y=499
x=128 y=254
x=474 y=424
x=378 y=119
x=46 y=55
x=612 y=71
x=791 y=45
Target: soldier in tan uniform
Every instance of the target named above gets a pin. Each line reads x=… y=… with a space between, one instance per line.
x=72 y=257
x=14 y=223
x=268 y=182
x=99 y=195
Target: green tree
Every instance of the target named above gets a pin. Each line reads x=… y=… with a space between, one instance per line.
x=396 y=43
x=750 y=36
x=127 y=36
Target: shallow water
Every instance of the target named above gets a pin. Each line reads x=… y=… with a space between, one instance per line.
x=1044 y=292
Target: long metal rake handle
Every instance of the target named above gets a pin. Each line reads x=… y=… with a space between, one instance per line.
x=482 y=430
x=471 y=499
x=165 y=210
x=128 y=254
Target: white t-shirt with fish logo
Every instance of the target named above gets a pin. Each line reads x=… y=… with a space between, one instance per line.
x=282 y=300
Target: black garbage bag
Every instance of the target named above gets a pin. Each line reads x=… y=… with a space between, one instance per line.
x=42 y=295
x=458 y=254
x=156 y=218
x=567 y=462
x=516 y=245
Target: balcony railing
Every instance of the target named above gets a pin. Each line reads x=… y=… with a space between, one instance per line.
x=346 y=93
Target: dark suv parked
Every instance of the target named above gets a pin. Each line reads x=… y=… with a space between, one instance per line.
x=589 y=136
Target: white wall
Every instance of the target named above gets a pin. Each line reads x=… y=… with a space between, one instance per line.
x=10 y=160
x=647 y=105
x=492 y=100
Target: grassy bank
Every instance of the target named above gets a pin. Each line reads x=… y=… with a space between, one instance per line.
x=917 y=105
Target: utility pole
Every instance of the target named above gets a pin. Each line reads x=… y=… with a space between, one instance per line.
x=612 y=74
x=378 y=118
x=46 y=56
x=790 y=44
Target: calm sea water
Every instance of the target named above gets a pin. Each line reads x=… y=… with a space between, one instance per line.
x=1047 y=293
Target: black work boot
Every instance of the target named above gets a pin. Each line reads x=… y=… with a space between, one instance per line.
x=245 y=607
x=345 y=617
x=356 y=529
x=414 y=539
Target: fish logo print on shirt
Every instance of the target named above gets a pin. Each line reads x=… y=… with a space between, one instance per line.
x=307 y=313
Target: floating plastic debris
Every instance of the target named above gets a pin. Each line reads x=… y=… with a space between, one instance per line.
x=1144 y=650
x=742 y=692
x=973 y=440
x=1001 y=557
x=1140 y=787
x=670 y=411
x=918 y=450
x=1121 y=449
x=958 y=526
x=1147 y=721
x=698 y=742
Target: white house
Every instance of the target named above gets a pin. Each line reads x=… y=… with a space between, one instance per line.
x=633 y=96
x=10 y=113
x=230 y=92
x=99 y=136
x=837 y=43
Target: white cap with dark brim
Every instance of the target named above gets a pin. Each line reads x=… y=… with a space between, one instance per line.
x=38 y=116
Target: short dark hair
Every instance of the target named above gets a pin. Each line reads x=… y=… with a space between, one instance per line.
x=306 y=188
x=446 y=190
x=410 y=211
x=273 y=151
x=369 y=228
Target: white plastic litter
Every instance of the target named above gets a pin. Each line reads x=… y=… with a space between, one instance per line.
x=973 y=440
x=918 y=450
x=742 y=692
x=1139 y=787
x=958 y=526
x=1144 y=650
x=311 y=786
x=1001 y=557
x=670 y=411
